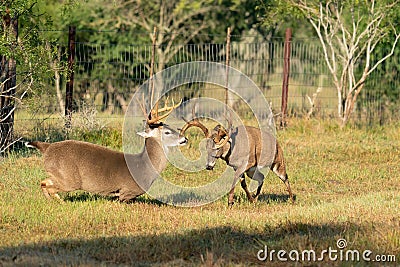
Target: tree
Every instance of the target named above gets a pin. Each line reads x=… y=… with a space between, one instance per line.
x=7 y=77
x=349 y=32
x=21 y=61
x=127 y=28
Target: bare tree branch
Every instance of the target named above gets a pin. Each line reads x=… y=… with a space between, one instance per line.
x=349 y=42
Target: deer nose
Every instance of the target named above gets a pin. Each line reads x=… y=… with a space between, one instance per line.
x=209 y=167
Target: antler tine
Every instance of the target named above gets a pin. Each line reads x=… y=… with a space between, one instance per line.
x=227 y=133
x=155 y=117
x=194 y=122
x=222 y=142
x=141 y=105
x=166 y=108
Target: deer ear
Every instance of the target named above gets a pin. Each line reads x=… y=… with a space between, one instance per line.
x=149 y=133
x=144 y=134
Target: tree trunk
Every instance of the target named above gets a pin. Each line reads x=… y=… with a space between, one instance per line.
x=57 y=81
x=60 y=98
x=349 y=105
x=8 y=86
x=109 y=103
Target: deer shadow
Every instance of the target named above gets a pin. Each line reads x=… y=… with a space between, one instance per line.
x=275 y=198
x=180 y=199
x=88 y=197
x=84 y=197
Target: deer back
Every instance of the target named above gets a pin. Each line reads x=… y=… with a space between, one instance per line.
x=80 y=165
x=247 y=147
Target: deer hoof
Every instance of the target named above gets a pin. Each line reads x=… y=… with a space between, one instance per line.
x=253 y=199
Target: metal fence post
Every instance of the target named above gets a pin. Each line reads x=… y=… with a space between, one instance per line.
x=70 y=82
x=286 y=72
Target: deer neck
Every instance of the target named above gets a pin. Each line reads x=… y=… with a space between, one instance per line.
x=226 y=152
x=156 y=153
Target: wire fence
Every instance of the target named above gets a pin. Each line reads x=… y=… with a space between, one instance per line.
x=115 y=79
x=107 y=75
x=108 y=80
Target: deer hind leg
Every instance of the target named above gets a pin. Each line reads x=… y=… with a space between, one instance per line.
x=49 y=190
x=280 y=171
x=128 y=194
x=230 y=198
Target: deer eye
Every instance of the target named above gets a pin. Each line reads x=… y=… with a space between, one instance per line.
x=167 y=132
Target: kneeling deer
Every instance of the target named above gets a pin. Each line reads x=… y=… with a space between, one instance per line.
x=75 y=165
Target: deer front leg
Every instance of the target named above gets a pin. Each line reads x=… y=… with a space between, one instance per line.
x=49 y=190
x=259 y=177
x=256 y=175
x=238 y=173
x=289 y=190
x=280 y=171
x=244 y=186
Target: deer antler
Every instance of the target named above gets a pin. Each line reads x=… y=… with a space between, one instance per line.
x=223 y=140
x=195 y=122
x=225 y=133
x=154 y=116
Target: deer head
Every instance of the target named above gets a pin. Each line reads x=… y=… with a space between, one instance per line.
x=217 y=140
x=160 y=131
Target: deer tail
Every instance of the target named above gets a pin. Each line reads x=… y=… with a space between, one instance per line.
x=42 y=146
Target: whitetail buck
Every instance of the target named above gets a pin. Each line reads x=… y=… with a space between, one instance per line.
x=247 y=150
x=75 y=165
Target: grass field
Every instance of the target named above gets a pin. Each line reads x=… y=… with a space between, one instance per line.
x=346 y=184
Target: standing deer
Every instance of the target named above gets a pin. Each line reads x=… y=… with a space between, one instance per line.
x=74 y=165
x=243 y=149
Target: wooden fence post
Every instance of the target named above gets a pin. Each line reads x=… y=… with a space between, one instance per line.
x=152 y=62
x=227 y=63
x=70 y=82
x=286 y=72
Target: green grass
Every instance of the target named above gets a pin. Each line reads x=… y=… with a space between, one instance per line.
x=346 y=184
